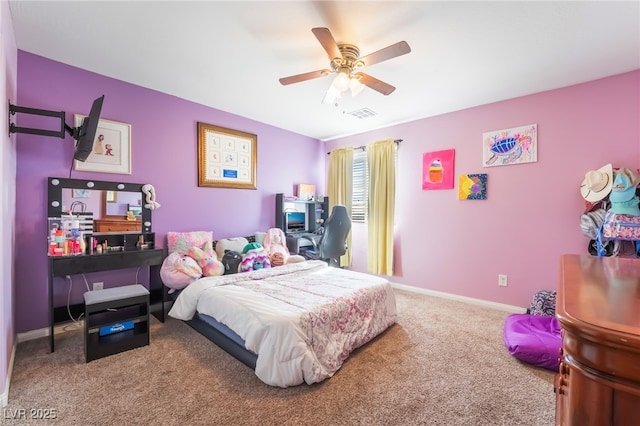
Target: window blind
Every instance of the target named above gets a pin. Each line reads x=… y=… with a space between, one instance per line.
x=360 y=190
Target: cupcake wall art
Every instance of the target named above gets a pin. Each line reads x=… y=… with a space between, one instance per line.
x=438 y=169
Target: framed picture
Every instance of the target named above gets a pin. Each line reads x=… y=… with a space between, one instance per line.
x=517 y=145
x=306 y=192
x=111 y=196
x=111 y=151
x=81 y=193
x=437 y=169
x=472 y=187
x=226 y=158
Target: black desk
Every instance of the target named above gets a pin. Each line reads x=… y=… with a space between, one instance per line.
x=61 y=266
x=295 y=242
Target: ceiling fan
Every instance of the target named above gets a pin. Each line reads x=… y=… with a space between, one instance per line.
x=345 y=61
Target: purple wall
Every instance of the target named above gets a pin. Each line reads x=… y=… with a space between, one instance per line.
x=8 y=73
x=164 y=153
x=532 y=213
x=531 y=216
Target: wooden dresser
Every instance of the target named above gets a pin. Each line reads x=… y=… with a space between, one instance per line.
x=116 y=225
x=598 y=307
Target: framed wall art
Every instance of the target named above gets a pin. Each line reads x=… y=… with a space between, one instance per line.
x=81 y=193
x=510 y=146
x=437 y=169
x=111 y=151
x=472 y=187
x=227 y=158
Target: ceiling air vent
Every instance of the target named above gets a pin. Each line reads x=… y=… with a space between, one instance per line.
x=362 y=113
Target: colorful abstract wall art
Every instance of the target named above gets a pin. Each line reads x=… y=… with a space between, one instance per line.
x=437 y=169
x=511 y=146
x=472 y=187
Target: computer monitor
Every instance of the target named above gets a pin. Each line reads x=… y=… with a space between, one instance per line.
x=137 y=210
x=295 y=222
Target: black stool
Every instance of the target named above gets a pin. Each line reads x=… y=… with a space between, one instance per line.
x=115 y=320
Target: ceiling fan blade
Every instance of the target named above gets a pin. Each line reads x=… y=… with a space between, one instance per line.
x=375 y=84
x=303 y=77
x=327 y=41
x=398 y=49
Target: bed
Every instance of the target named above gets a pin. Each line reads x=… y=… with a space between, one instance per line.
x=292 y=324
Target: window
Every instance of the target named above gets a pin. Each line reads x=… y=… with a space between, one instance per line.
x=360 y=190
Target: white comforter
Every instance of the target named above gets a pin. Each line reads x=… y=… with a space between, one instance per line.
x=303 y=319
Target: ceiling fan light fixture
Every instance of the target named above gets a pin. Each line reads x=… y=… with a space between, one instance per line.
x=345 y=60
x=341 y=82
x=331 y=96
x=355 y=86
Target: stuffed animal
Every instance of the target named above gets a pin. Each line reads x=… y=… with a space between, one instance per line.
x=150 y=192
x=275 y=245
x=231 y=261
x=178 y=270
x=208 y=261
x=254 y=257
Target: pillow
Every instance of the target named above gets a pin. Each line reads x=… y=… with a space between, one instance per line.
x=234 y=244
x=183 y=241
x=260 y=237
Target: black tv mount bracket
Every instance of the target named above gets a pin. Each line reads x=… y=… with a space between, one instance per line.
x=13 y=109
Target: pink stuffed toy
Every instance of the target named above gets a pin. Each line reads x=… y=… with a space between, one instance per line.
x=208 y=261
x=275 y=245
x=179 y=270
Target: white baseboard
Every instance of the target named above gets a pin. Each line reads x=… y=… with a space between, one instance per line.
x=32 y=335
x=4 y=398
x=44 y=332
x=486 y=303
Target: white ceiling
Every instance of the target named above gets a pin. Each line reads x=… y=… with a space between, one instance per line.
x=230 y=55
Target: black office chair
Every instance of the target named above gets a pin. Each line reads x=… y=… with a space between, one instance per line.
x=333 y=242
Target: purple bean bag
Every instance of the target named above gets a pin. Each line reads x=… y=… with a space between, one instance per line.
x=534 y=339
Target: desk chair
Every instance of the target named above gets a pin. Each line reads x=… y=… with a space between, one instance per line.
x=333 y=243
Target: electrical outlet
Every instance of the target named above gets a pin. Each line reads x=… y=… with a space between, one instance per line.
x=98 y=286
x=502 y=280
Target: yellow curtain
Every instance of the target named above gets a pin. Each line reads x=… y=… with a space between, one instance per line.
x=382 y=184
x=339 y=188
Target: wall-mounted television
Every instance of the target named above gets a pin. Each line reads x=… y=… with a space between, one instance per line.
x=85 y=134
x=295 y=222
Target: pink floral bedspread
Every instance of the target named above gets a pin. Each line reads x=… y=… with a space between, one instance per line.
x=303 y=320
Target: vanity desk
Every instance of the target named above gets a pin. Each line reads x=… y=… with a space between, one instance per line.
x=131 y=250
x=598 y=307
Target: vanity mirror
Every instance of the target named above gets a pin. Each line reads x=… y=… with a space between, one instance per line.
x=63 y=193
x=117 y=204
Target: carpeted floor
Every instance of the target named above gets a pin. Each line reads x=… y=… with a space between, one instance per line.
x=442 y=363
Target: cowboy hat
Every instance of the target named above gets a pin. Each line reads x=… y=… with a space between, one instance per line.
x=597 y=183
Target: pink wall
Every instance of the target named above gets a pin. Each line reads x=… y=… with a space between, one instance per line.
x=532 y=213
x=442 y=244
x=164 y=153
